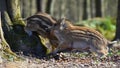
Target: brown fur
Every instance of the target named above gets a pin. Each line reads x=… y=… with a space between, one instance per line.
x=77 y=37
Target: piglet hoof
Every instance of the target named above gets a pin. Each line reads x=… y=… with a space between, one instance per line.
x=56 y=57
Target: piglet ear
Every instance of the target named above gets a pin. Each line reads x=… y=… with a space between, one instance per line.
x=62 y=24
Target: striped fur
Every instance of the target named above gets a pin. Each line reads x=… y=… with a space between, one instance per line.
x=41 y=23
x=76 y=37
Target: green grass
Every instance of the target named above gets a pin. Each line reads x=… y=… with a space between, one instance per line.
x=106 y=26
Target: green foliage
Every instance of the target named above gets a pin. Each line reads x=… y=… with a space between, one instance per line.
x=106 y=26
x=118 y=53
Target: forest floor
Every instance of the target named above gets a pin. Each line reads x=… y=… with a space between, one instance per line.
x=66 y=60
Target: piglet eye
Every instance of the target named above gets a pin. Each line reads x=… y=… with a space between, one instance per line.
x=63 y=25
x=55 y=24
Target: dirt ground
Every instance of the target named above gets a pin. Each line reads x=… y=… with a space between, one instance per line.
x=66 y=60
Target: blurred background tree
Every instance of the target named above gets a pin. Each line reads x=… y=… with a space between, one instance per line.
x=117 y=36
x=78 y=11
x=75 y=10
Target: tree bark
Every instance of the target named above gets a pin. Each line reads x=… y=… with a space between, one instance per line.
x=4 y=46
x=48 y=6
x=98 y=8
x=92 y=8
x=14 y=33
x=85 y=10
x=13 y=9
x=117 y=36
x=39 y=5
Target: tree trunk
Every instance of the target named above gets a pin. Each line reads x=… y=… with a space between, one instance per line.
x=48 y=6
x=117 y=36
x=14 y=33
x=13 y=9
x=32 y=7
x=98 y=8
x=4 y=46
x=92 y=8
x=39 y=5
x=85 y=10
